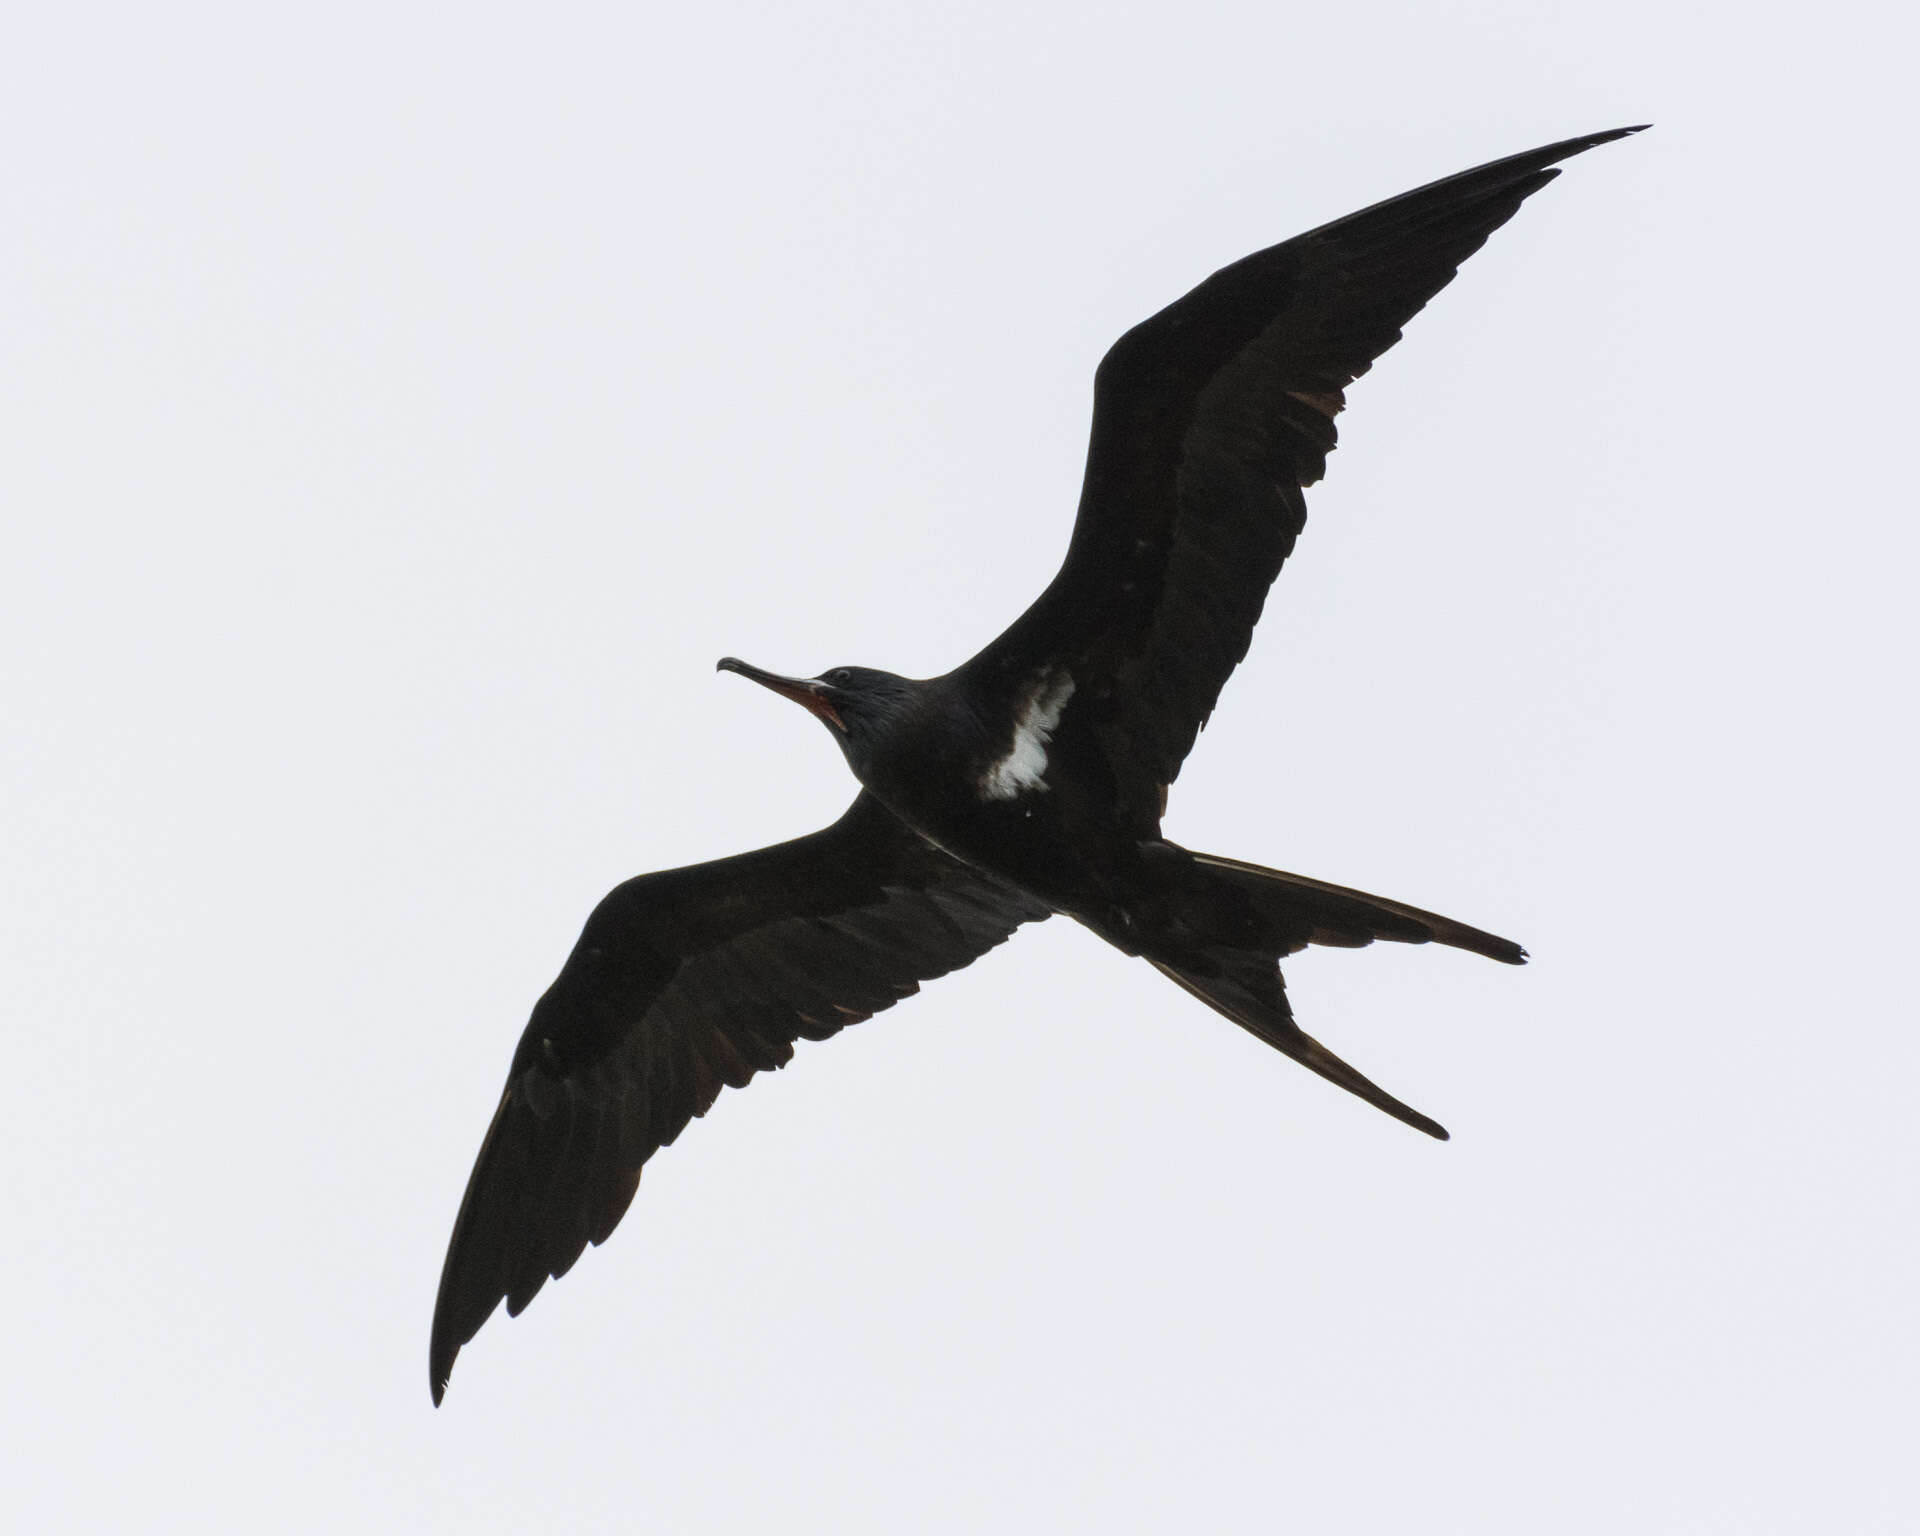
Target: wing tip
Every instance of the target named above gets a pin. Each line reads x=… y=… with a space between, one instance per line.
x=440 y=1372
x=1505 y=951
x=1586 y=141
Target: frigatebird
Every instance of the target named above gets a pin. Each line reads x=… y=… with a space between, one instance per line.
x=1029 y=781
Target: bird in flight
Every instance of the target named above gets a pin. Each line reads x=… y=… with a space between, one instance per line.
x=1029 y=781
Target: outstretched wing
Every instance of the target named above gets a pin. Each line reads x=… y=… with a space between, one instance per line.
x=1208 y=420
x=682 y=983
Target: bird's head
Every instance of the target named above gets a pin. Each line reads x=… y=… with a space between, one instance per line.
x=858 y=705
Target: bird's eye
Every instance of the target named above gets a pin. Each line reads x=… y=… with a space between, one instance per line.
x=840 y=676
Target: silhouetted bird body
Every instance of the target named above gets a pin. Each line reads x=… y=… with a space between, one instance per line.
x=1031 y=780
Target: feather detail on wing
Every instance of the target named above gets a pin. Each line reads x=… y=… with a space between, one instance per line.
x=685 y=982
x=1209 y=420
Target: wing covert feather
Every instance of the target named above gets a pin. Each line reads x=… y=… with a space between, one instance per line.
x=1209 y=420
x=682 y=983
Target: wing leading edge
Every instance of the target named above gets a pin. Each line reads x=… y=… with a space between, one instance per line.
x=1209 y=420
x=682 y=983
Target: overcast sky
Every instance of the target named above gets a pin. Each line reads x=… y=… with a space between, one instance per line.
x=403 y=408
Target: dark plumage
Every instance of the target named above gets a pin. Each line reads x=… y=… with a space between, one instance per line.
x=1029 y=781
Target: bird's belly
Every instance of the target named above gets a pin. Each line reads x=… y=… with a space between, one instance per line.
x=1031 y=842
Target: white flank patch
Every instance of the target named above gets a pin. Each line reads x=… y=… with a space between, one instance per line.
x=1025 y=766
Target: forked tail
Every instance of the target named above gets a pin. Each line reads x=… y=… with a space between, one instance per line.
x=1299 y=911
x=1253 y=996
x=1231 y=922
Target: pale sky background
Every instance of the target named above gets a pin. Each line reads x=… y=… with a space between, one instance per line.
x=403 y=408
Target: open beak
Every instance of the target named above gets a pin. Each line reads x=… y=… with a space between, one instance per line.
x=808 y=692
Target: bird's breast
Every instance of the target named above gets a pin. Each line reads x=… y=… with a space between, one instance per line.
x=1004 y=785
